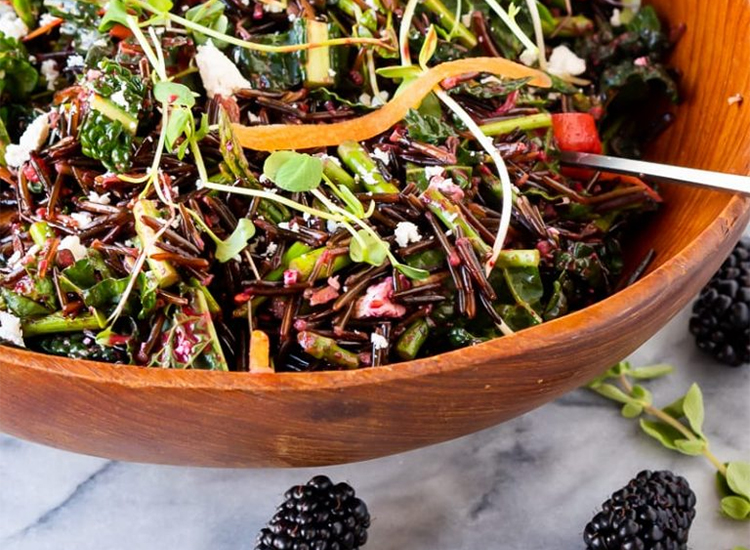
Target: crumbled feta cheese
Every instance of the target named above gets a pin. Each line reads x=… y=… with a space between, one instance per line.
x=332 y=226
x=75 y=61
x=219 y=75
x=271 y=249
x=735 y=99
x=294 y=226
x=382 y=156
x=369 y=178
x=10 y=329
x=31 y=140
x=272 y=6
x=47 y=19
x=50 y=72
x=564 y=62
x=432 y=171
x=380 y=99
x=118 y=98
x=365 y=99
x=325 y=157
x=466 y=19
x=615 y=20
x=528 y=57
x=88 y=39
x=73 y=243
x=332 y=73
x=405 y=233
x=82 y=219
x=252 y=118
x=99 y=199
x=10 y=24
x=378 y=341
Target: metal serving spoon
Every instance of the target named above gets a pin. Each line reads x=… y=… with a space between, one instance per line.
x=677 y=174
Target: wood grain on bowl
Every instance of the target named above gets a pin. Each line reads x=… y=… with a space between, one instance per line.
x=235 y=419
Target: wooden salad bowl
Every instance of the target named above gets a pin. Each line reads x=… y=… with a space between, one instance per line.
x=239 y=420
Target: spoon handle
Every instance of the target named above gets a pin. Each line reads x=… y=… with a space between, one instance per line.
x=678 y=174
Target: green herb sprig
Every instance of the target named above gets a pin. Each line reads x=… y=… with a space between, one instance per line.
x=678 y=426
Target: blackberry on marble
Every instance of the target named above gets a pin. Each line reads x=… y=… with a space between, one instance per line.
x=721 y=315
x=319 y=515
x=653 y=511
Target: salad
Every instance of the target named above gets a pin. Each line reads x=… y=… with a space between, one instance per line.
x=299 y=185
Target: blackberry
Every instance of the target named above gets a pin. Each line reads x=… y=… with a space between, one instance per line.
x=721 y=315
x=652 y=512
x=317 y=516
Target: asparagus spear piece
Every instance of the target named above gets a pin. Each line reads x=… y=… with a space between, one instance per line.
x=57 y=322
x=530 y=122
x=412 y=339
x=359 y=161
x=305 y=263
x=166 y=275
x=334 y=172
x=40 y=232
x=453 y=218
x=321 y=347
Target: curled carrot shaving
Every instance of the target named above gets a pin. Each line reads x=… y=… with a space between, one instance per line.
x=42 y=30
x=274 y=137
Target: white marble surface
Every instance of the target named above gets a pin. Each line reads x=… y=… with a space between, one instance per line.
x=532 y=483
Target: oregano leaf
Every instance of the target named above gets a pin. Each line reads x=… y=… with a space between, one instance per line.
x=692 y=447
x=642 y=394
x=613 y=392
x=652 y=371
x=663 y=433
x=631 y=410
x=675 y=409
x=738 y=478
x=294 y=172
x=693 y=407
x=736 y=507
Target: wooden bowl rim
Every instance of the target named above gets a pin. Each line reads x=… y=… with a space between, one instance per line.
x=542 y=336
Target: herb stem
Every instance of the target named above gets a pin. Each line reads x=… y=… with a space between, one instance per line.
x=676 y=424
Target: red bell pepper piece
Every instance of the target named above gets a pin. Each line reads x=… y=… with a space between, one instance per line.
x=576 y=132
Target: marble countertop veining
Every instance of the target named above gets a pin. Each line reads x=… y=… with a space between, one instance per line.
x=531 y=483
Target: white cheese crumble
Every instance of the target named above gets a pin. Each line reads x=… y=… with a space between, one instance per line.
x=271 y=249
x=31 y=140
x=50 y=73
x=365 y=99
x=47 y=19
x=564 y=62
x=405 y=233
x=10 y=329
x=332 y=226
x=99 y=199
x=432 y=171
x=10 y=24
x=380 y=99
x=218 y=73
x=466 y=20
x=273 y=7
x=118 y=98
x=615 y=20
x=528 y=57
x=332 y=73
x=75 y=61
x=73 y=243
x=82 y=219
x=382 y=156
x=378 y=341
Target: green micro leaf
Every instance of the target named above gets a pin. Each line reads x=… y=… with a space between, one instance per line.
x=237 y=241
x=365 y=248
x=179 y=123
x=676 y=409
x=738 y=478
x=173 y=93
x=399 y=72
x=663 y=433
x=163 y=6
x=693 y=407
x=736 y=507
x=692 y=447
x=292 y=171
x=116 y=13
x=428 y=47
x=652 y=371
x=414 y=273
